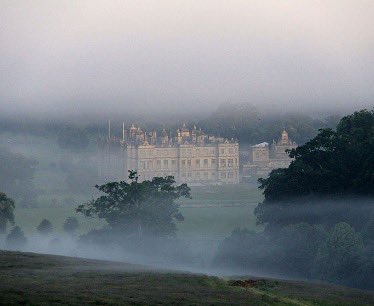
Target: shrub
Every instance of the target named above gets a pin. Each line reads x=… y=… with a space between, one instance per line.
x=16 y=239
x=45 y=227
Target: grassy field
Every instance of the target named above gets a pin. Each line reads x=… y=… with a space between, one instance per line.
x=224 y=195
x=31 y=279
x=214 y=211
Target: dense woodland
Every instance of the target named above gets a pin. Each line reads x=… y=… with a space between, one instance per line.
x=318 y=213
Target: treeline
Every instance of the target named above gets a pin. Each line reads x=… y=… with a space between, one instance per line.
x=239 y=121
x=318 y=213
x=250 y=125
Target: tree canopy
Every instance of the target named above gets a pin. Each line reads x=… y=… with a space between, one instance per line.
x=246 y=123
x=334 y=163
x=6 y=211
x=140 y=208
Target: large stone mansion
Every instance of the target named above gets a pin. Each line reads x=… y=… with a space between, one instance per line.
x=189 y=155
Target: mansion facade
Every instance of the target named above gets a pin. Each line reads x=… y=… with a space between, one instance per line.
x=189 y=155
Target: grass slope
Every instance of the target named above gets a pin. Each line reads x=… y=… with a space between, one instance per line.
x=33 y=279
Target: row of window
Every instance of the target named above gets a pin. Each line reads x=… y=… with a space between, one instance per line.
x=187 y=163
x=207 y=151
x=186 y=152
x=213 y=175
x=197 y=175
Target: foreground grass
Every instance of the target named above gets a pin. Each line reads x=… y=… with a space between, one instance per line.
x=31 y=279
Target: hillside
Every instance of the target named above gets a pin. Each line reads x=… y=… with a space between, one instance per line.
x=34 y=279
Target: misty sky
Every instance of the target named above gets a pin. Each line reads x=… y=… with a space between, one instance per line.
x=122 y=56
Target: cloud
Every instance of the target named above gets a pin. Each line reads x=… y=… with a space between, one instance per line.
x=118 y=56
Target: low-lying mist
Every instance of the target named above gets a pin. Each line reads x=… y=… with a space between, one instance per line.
x=329 y=247
x=192 y=254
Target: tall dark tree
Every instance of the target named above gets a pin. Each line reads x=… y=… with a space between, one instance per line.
x=334 y=164
x=140 y=208
x=6 y=212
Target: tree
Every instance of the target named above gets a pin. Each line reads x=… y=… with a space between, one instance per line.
x=244 y=122
x=71 y=225
x=333 y=164
x=337 y=260
x=139 y=208
x=45 y=227
x=16 y=239
x=296 y=247
x=6 y=212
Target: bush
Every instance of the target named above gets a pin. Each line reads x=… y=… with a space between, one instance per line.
x=45 y=227
x=338 y=258
x=6 y=211
x=16 y=239
x=296 y=246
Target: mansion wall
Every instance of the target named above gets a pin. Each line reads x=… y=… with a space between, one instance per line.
x=263 y=158
x=189 y=162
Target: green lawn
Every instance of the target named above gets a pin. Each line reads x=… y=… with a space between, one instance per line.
x=216 y=222
x=29 y=218
x=213 y=212
x=34 y=279
x=224 y=195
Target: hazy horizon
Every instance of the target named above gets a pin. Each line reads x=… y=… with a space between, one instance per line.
x=143 y=57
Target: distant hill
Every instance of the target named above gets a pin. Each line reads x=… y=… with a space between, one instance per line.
x=34 y=279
